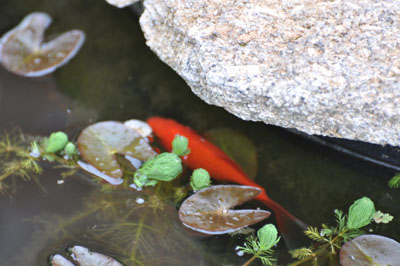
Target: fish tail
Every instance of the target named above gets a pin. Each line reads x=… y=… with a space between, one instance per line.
x=290 y=227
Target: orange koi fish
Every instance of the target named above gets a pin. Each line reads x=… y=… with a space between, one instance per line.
x=204 y=154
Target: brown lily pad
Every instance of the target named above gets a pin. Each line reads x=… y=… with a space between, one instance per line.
x=237 y=146
x=370 y=250
x=100 y=143
x=209 y=210
x=22 y=50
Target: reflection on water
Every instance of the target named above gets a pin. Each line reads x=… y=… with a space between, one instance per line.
x=115 y=76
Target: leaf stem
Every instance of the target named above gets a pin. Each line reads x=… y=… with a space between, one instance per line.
x=247 y=263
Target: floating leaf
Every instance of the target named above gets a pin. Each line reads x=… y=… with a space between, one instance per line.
x=85 y=257
x=140 y=126
x=99 y=143
x=370 y=250
x=22 y=50
x=209 y=210
x=237 y=146
x=94 y=171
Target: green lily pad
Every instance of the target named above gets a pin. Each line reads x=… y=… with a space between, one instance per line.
x=237 y=146
x=370 y=250
x=209 y=210
x=99 y=144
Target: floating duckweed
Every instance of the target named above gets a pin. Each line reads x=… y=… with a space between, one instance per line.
x=70 y=149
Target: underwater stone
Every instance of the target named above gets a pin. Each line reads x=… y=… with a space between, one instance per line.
x=330 y=68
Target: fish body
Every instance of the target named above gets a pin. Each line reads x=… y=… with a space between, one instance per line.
x=206 y=155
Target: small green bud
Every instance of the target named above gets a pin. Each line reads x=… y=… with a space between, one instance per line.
x=70 y=149
x=200 y=179
x=361 y=213
x=56 y=142
x=164 y=167
x=267 y=236
x=180 y=145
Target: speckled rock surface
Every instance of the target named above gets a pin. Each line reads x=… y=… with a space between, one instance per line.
x=322 y=67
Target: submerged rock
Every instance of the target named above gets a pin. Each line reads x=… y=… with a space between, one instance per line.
x=323 y=67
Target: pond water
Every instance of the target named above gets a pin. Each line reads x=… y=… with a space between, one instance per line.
x=116 y=77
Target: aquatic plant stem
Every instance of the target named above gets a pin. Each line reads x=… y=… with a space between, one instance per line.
x=247 y=263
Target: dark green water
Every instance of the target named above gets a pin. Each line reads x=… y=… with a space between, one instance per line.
x=116 y=77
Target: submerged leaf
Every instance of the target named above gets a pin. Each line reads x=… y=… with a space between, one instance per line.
x=99 y=143
x=370 y=250
x=22 y=50
x=237 y=146
x=209 y=210
x=85 y=257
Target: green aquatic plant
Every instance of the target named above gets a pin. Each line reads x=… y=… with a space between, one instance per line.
x=394 y=182
x=200 y=179
x=165 y=166
x=261 y=246
x=180 y=145
x=329 y=239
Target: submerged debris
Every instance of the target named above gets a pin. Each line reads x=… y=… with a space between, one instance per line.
x=121 y=3
x=23 y=52
x=58 y=260
x=85 y=257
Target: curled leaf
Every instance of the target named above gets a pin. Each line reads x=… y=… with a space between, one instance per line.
x=99 y=144
x=209 y=210
x=361 y=213
x=22 y=50
x=370 y=250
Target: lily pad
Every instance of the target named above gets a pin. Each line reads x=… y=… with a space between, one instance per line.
x=99 y=144
x=22 y=50
x=209 y=210
x=370 y=250
x=237 y=146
